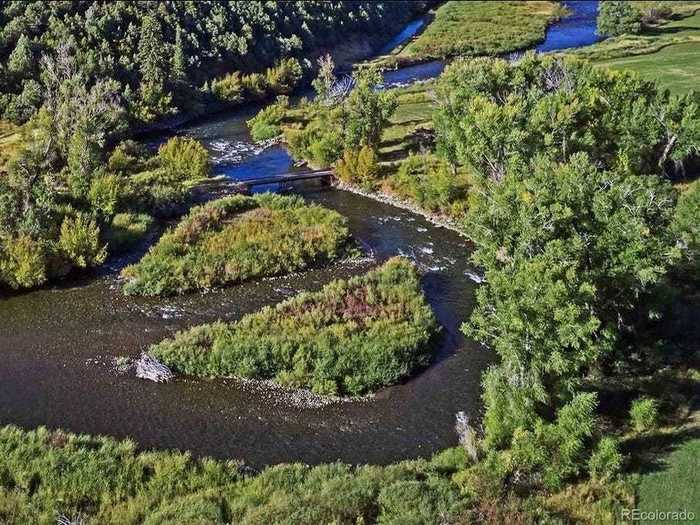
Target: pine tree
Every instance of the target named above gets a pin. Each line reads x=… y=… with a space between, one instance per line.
x=179 y=71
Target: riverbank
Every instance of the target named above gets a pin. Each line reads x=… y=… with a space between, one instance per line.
x=442 y=221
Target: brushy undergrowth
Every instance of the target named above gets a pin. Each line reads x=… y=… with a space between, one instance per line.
x=238 y=238
x=48 y=474
x=352 y=337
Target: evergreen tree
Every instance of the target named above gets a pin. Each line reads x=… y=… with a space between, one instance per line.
x=152 y=66
x=179 y=69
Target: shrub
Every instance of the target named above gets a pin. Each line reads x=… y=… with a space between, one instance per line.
x=554 y=452
x=644 y=414
x=126 y=229
x=238 y=238
x=686 y=226
x=22 y=262
x=285 y=76
x=105 y=192
x=125 y=158
x=359 y=167
x=430 y=182
x=184 y=159
x=79 y=241
x=606 y=461
x=320 y=141
x=351 y=337
x=229 y=88
x=618 y=17
x=255 y=86
x=266 y=124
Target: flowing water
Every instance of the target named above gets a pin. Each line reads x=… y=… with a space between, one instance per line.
x=58 y=345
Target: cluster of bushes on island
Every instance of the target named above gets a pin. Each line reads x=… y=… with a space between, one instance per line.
x=237 y=238
x=352 y=337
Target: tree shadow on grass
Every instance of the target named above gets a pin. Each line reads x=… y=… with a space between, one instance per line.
x=649 y=452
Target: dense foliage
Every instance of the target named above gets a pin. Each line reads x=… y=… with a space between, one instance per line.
x=428 y=181
x=482 y=28
x=333 y=125
x=568 y=251
x=158 y=55
x=56 y=216
x=237 y=238
x=46 y=475
x=576 y=227
x=493 y=115
x=351 y=337
x=618 y=17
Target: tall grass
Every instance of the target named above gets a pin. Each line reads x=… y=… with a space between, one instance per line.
x=238 y=238
x=351 y=337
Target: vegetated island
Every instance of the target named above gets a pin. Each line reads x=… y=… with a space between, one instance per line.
x=350 y=338
x=237 y=238
x=478 y=28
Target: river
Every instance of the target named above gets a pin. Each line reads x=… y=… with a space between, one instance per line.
x=58 y=344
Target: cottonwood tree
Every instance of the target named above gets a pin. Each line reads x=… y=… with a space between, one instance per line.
x=569 y=251
x=493 y=114
x=367 y=110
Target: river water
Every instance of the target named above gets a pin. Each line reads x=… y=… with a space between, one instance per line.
x=58 y=345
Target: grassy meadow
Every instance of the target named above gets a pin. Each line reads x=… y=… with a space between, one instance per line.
x=668 y=54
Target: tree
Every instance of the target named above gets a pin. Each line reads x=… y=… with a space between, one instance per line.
x=20 y=63
x=569 y=251
x=152 y=66
x=618 y=18
x=367 y=110
x=493 y=115
x=323 y=83
x=179 y=66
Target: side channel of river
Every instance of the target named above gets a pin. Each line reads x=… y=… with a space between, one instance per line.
x=58 y=346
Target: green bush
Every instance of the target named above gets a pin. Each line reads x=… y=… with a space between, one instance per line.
x=555 y=452
x=126 y=158
x=351 y=337
x=359 y=167
x=229 y=88
x=184 y=159
x=238 y=238
x=79 y=241
x=284 y=77
x=431 y=183
x=606 y=461
x=644 y=414
x=22 y=262
x=126 y=229
x=686 y=226
x=266 y=124
x=320 y=141
x=105 y=193
x=255 y=86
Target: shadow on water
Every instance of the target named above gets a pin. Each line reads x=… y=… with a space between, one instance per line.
x=58 y=344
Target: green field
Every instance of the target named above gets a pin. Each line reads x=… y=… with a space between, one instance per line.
x=669 y=54
x=414 y=111
x=674 y=486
